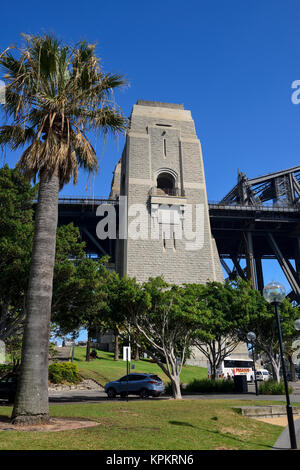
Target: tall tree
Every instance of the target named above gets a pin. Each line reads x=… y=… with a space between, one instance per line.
x=16 y=232
x=116 y=314
x=54 y=94
x=166 y=316
x=258 y=316
x=216 y=336
x=80 y=298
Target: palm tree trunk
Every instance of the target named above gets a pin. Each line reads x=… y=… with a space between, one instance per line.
x=31 y=403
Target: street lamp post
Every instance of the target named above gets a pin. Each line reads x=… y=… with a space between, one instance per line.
x=274 y=293
x=297 y=326
x=251 y=336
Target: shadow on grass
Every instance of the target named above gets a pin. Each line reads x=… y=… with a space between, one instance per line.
x=181 y=423
x=257 y=445
x=220 y=434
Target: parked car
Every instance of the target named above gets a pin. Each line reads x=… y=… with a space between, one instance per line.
x=8 y=387
x=144 y=385
x=263 y=375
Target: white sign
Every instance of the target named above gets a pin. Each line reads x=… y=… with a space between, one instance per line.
x=127 y=353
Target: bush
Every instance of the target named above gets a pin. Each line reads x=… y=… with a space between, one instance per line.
x=205 y=386
x=5 y=369
x=271 y=387
x=168 y=389
x=210 y=386
x=64 y=372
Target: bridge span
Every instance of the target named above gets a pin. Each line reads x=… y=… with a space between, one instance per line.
x=258 y=219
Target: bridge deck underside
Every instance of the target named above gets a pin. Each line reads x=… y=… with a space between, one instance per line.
x=248 y=233
x=230 y=226
x=257 y=234
x=83 y=216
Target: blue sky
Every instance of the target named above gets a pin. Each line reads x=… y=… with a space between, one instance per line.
x=230 y=62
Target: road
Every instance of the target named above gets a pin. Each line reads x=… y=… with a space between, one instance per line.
x=82 y=396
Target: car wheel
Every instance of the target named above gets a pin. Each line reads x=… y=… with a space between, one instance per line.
x=111 y=393
x=144 y=394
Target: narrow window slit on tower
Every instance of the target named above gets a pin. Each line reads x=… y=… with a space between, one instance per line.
x=165 y=147
x=174 y=242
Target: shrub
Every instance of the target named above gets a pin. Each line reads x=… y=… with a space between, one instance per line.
x=271 y=387
x=205 y=386
x=5 y=369
x=64 y=372
x=168 y=389
x=210 y=386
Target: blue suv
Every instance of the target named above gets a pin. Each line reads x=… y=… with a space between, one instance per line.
x=144 y=385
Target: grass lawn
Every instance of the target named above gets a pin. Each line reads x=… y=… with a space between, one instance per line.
x=105 y=368
x=150 y=425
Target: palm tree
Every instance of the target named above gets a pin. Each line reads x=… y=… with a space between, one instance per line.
x=55 y=94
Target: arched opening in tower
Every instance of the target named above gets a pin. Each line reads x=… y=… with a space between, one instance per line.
x=166 y=183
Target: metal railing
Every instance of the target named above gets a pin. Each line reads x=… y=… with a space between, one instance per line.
x=260 y=207
x=86 y=200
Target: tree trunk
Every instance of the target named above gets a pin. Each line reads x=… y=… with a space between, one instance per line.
x=175 y=381
x=88 y=348
x=213 y=371
x=137 y=353
x=292 y=368
x=116 y=334
x=31 y=403
x=136 y=348
x=276 y=369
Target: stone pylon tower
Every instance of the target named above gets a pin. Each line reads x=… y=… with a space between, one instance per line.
x=163 y=204
x=162 y=176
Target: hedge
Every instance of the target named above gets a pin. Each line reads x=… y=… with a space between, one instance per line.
x=271 y=387
x=64 y=372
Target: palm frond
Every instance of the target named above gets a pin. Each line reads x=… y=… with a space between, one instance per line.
x=16 y=136
x=55 y=93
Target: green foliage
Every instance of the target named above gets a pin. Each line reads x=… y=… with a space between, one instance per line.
x=218 y=320
x=259 y=316
x=13 y=347
x=210 y=386
x=64 y=372
x=16 y=234
x=55 y=93
x=5 y=369
x=16 y=238
x=80 y=295
x=272 y=387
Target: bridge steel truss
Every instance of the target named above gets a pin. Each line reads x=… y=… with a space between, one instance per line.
x=258 y=219
x=82 y=213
